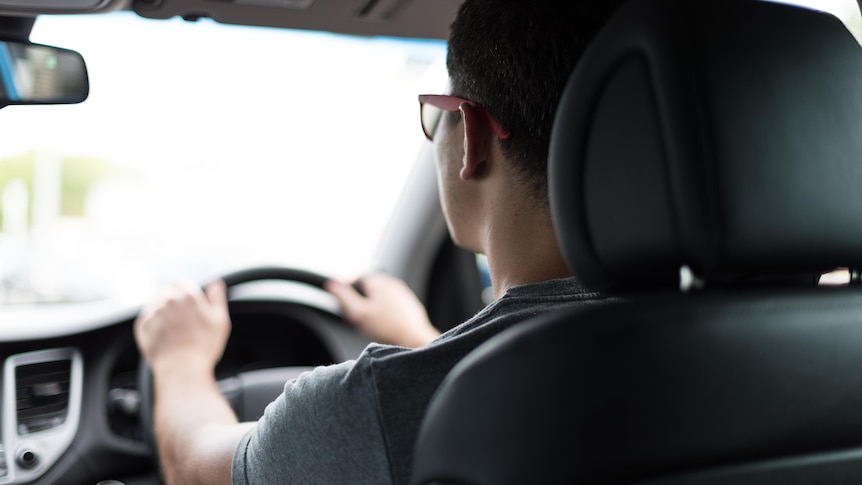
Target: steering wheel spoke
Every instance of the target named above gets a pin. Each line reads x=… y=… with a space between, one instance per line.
x=250 y=392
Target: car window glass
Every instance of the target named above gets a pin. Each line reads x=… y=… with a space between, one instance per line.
x=203 y=148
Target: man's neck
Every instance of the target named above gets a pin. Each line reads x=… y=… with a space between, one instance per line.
x=522 y=248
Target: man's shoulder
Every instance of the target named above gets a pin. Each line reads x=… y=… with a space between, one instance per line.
x=406 y=379
x=519 y=304
x=561 y=289
x=523 y=302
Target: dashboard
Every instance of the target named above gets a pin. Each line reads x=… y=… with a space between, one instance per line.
x=70 y=404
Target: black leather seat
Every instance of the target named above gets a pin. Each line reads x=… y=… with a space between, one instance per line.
x=715 y=145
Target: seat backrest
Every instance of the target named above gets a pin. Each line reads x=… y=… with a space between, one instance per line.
x=713 y=145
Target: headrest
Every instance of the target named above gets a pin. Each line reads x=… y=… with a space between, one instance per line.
x=721 y=135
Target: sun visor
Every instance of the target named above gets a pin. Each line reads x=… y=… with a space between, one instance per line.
x=429 y=19
x=30 y=8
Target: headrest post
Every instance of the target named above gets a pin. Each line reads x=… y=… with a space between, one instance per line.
x=688 y=280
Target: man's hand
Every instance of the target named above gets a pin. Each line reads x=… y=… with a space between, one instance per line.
x=182 y=336
x=185 y=327
x=388 y=313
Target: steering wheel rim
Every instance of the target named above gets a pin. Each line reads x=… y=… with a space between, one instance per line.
x=260 y=273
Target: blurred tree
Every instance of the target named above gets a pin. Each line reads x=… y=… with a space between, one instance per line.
x=78 y=175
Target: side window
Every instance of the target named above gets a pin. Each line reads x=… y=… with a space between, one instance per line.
x=485 y=278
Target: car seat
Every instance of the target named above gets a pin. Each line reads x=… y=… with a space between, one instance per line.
x=706 y=167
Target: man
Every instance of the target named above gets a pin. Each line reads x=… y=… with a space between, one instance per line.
x=357 y=422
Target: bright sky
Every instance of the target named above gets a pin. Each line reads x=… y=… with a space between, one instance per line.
x=253 y=146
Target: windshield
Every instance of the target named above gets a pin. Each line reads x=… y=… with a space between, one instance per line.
x=205 y=148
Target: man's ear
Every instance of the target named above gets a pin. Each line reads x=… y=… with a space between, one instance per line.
x=476 y=139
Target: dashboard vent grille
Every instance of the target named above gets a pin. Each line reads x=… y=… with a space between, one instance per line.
x=42 y=395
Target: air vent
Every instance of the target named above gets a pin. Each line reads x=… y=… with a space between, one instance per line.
x=42 y=395
x=3 y=468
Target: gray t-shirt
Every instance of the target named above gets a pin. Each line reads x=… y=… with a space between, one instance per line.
x=357 y=422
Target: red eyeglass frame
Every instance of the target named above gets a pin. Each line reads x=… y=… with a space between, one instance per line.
x=446 y=102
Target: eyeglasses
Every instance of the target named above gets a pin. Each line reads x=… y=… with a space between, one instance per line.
x=431 y=107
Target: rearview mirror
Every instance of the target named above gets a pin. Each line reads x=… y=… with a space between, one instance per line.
x=40 y=74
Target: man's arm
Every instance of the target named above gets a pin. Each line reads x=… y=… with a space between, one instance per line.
x=182 y=337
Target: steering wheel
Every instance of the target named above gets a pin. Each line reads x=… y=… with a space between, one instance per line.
x=247 y=392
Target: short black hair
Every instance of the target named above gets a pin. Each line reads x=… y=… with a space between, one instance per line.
x=514 y=57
